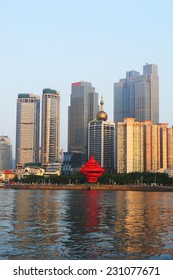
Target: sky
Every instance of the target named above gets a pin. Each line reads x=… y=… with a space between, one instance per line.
x=52 y=43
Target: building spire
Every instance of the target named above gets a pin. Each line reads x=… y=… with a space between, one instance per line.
x=101 y=115
x=101 y=104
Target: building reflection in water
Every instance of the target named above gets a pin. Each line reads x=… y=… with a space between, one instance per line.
x=86 y=225
x=123 y=225
x=36 y=216
x=144 y=223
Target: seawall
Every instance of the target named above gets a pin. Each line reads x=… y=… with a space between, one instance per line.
x=90 y=187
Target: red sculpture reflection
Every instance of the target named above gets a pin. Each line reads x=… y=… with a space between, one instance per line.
x=93 y=210
x=92 y=170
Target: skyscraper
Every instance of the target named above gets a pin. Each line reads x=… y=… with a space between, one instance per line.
x=27 y=129
x=50 y=126
x=101 y=139
x=5 y=153
x=137 y=96
x=83 y=108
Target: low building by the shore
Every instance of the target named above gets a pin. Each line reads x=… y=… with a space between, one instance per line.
x=6 y=175
x=48 y=170
x=24 y=172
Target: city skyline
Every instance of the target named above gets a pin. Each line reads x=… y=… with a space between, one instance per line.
x=87 y=42
x=137 y=145
x=73 y=85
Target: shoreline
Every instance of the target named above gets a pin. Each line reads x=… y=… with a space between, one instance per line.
x=89 y=187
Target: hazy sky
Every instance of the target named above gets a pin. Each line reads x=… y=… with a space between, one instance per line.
x=52 y=43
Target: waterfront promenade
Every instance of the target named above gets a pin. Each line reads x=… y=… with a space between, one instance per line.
x=90 y=187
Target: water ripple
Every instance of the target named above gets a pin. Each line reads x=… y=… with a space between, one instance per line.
x=85 y=225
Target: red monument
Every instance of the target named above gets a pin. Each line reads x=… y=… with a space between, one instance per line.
x=92 y=170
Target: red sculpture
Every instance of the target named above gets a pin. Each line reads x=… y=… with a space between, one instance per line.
x=92 y=170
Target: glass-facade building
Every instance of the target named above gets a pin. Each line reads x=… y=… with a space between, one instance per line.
x=72 y=162
x=137 y=96
x=101 y=143
x=5 y=153
x=27 y=129
x=83 y=108
x=50 y=138
x=101 y=139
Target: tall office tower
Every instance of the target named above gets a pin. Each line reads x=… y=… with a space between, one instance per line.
x=137 y=96
x=83 y=108
x=129 y=146
x=101 y=139
x=50 y=126
x=5 y=153
x=27 y=129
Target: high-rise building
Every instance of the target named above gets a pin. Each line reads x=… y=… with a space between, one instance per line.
x=50 y=126
x=5 y=153
x=143 y=146
x=129 y=146
x=101 y=140
x=137 y=96
x=83 y=108
x=27 y=129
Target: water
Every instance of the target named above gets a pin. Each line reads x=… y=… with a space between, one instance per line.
x=46 y=224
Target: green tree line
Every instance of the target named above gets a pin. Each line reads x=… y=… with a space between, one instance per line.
x=108 y=178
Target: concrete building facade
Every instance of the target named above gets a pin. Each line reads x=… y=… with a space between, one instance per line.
x=143 y=146
x=129 y=146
